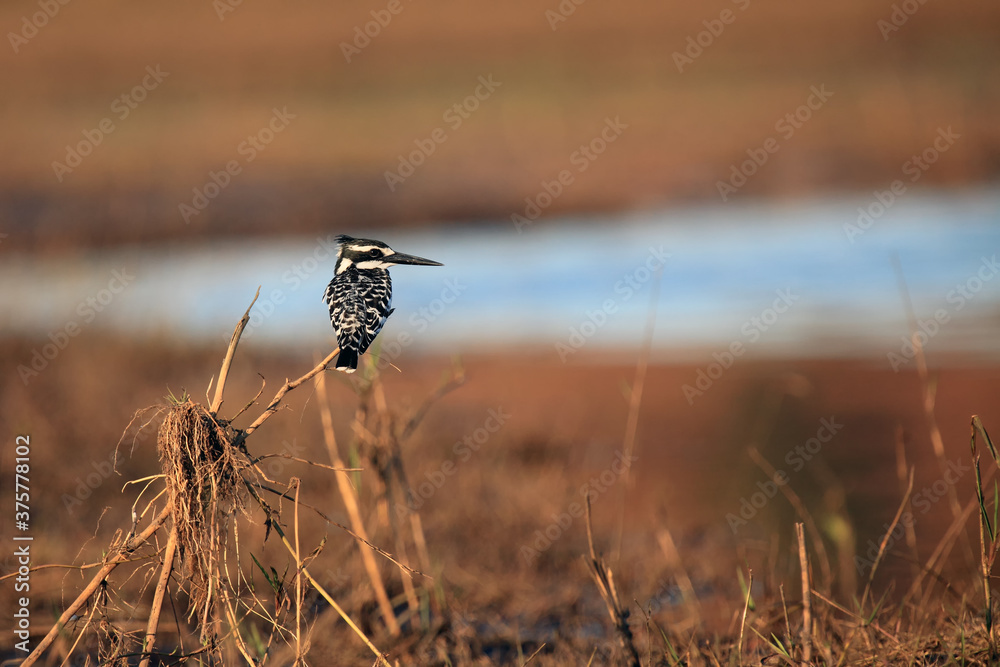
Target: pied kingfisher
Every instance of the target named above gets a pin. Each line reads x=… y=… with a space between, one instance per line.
x=360 y=294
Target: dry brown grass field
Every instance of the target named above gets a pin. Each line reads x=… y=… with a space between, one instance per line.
x=538 y=435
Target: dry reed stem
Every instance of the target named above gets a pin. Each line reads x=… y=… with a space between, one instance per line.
x=227 y=362
x=80 y=635
x=800 y=509
x=856 y=617
x=299 y=654
x=378 y=428
x=901 y=468
x=120 y=557
x=532 y=656
x=885 y=540
x=60 y=566
x=634 y=403
x=289 y=385
x=385 y=554
x=420 y=541
x=929 y=394
x=409 y=590
x=387 y=442
x=380 y=658
x=806 y=598
x=673 y=558
x=604 y=578
x=161 y=588
x=456 y=380
x=743 y=620
x=935 y=562
x=987 y=534
x=349 y=495
x=784 y=611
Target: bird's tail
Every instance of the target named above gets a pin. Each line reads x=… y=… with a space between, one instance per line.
x=347 y=361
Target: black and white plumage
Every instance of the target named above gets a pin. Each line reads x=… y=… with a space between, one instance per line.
x=360 y=294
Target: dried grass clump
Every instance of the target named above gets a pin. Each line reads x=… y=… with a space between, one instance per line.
x=204 y=474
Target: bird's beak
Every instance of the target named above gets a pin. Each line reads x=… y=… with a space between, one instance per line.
x=401 y=258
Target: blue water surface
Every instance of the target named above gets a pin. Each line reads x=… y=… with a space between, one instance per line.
x=580 y=279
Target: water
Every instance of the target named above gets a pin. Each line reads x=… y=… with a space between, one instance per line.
x=578 y=280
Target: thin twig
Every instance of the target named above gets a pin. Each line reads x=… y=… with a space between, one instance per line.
x=857 y=617
x=885 y=540
x=987 y=533
x=161 y=588
x=272 y=407
x=532 y=656
x=457 y=380
x=743 y=621
x=276 y=527
x=800 y=534
x=289 y=457
x=230 y=352
x=911 y=533
x=388 y=556
x=929 y=396
x=673 y=558
x=634 y=403
x=119 y=558
x=299 y=655
x=800 y=509
x=604 y=578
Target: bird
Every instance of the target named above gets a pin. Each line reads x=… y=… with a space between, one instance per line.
x=360 y=295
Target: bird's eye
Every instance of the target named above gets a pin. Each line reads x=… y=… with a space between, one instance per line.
x=374 y=252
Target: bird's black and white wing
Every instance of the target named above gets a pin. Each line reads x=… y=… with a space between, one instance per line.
x=359 y=303
x=378 y=300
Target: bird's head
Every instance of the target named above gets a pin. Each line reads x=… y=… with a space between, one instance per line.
x=368 y=254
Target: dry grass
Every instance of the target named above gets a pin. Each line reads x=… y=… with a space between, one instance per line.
x=210 y=478
x=241 y=547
